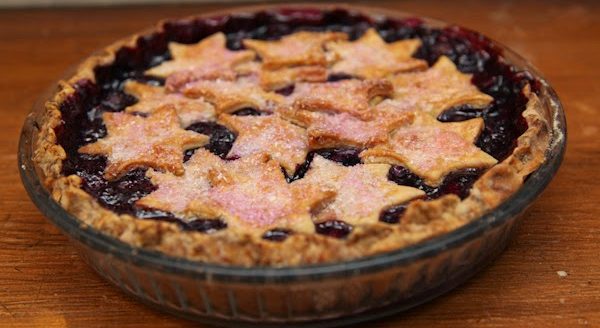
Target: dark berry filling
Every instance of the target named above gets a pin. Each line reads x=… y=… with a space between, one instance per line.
x=122 y=193
x=221 y=139
x=473 y=53
x=200 y=225
x=339 y=77
x=403 y=176
x=460 y=113
x=470 y=51
x=276 y=234
x=154 y=214
x=151 y=80
x=286 y=91
x=346 y=156
x=334 y=228
x=458 y=182
x=205 y=225
x=393 y=214
x=116 y=101
x=248 y=111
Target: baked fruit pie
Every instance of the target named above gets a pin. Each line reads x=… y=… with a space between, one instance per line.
x=264 y=141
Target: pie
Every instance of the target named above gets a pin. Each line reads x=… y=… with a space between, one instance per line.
x=286 y=142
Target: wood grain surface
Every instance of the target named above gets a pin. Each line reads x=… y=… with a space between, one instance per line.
x=43 y=282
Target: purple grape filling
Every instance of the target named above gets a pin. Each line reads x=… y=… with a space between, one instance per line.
x=470 y=51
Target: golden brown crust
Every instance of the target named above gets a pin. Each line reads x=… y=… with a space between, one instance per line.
x=426 y=143
x=300 y=48
x=132 y=141
x=347 y=96
x=371 y=57
x=422 y=220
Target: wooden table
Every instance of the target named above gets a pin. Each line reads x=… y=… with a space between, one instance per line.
x=43 y=282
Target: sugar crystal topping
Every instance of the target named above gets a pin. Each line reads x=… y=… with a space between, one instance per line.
x=151 y=98
x=157 y=141
x=285 y=142
x=347 y=96
x=301 y=48
x=228 y=96
x=432 y=149
x=361 y=191
x=371 y=57
x=209 y=57
x=441 y=87
x=386 y=109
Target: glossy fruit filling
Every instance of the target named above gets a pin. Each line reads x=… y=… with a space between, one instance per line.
x=470 y=51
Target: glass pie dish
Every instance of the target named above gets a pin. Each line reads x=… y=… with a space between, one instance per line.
x=331 y=294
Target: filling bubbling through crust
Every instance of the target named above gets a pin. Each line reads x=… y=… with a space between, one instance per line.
x=83 y=112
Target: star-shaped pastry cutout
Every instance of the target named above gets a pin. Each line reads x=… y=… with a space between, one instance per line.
x=300 y=48
x=174 y=193
x=156 y=141
x=250 y=194
x=209 y=57
x=275 y=79
x=229 y=96
x=283 y=77
x=178 y=80
x=328 y=130
x=437 y=89
x=432 y=149
x=362 y=191
x=346 y=96
x=150 y=98
x=283 y=141
x=371 y=57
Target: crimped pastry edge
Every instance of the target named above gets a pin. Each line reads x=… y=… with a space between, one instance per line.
x=421 y=221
